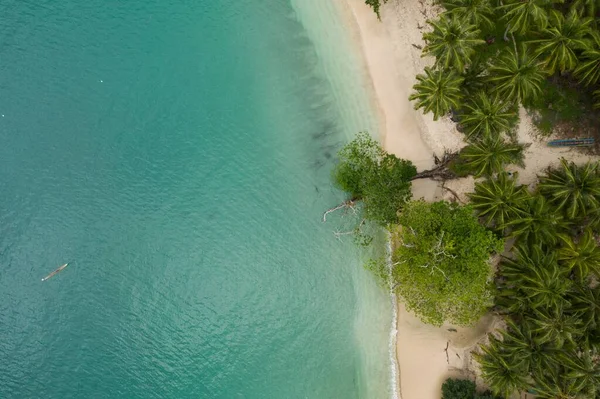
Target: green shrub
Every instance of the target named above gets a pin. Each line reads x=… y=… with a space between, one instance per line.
x=458 y=389
x=454 y=388
x=441 y=268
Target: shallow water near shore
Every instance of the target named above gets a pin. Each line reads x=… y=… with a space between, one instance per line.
x=178 y=156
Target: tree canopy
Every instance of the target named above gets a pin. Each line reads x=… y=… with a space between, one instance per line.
x=380 y=180
x=489 y=156
x=546 y=292
x=441 y=267
x=463 y=389
x=437 y=91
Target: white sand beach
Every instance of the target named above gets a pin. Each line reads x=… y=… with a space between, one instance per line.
x=393 y=63
x=427 y=355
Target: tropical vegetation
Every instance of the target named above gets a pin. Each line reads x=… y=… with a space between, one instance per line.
x=381 y=181
x=441 y=262
x=547 y=287
x=454 y=388
x=499 y=200
x=488 y=156
x=437 y=92
x=491 y=58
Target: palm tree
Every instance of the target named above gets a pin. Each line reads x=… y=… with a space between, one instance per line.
x=488 y=115
x=437 y=91
x=589 y=8
x=474 y=78
x=452 y=42
x=504 y=374
x=538 y=277
x=556 y=327
x=597 y=97
x=523 y=15
x=561 y=39
x=540 y=224
x=517 y=75
x=476 y=12
x=571 y=188
x=519 y=342
x=583 y=256
x=554 y=384
x=583 y=369
x=585 y=303
x=588 y=70
x=499 y=200
x=509 y=299
x=591 y=220
x=489 y=155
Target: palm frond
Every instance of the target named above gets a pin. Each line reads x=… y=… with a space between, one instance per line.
x=452 y=42
x=437 y=91
x=499 y=200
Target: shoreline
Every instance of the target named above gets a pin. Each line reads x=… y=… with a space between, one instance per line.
x=391 y=80
x=391 y=64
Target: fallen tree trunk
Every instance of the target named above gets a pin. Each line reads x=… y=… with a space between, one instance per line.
x=349 y=204
x=441 y=171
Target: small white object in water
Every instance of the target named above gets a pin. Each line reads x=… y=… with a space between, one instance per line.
x=101 y=81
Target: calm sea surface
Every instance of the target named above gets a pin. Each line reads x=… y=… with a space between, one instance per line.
x=177 y=154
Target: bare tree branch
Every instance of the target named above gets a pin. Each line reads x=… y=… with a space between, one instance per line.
x=344 y=205
x=441 y=271
x=338 y=233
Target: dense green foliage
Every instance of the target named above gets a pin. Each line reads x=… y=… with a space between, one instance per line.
x=546 y=289
x=499 y=200
x=574 y=189
x=487 y=116
x=441 y=267
x=463 y=389
x=458 y=389
x=490 y=58
x=437 y=92
x=488 y=156
x=538 y=222
x=543 y=54
x=561 y=40
x=517 y=75
x=588 y=70
x=378 y=179
x=452 y=41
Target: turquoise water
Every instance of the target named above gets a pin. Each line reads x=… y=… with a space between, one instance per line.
x=177 y=154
